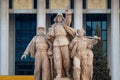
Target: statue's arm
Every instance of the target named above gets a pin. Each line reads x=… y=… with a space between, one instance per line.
x=93 y=41
x=50 y=33
x=71 y=45
x=68 y=17
x=50 y=47
x=27 y=50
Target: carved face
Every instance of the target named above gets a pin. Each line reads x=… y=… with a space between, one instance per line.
x=41 y=31
x=59 y=19
x=80 y=32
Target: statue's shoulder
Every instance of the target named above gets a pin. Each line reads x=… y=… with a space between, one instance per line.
x=34 y=37
x=75 y=38
x=53 y=25
x=86 y=39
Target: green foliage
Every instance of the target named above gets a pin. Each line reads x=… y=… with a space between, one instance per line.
x=101 y=71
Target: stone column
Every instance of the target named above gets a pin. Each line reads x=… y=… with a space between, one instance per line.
x=4 y=33
x=41 y=13
x=11 y=44
x=115 y=40
x=109 y=40
x=0 y=36
x=78 y=14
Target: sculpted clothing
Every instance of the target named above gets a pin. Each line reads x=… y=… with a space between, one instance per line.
x=40 y=46
x=79 y=46
x=79 y=55
x=60 y=34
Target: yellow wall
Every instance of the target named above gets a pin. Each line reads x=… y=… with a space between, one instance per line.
x=16 y=78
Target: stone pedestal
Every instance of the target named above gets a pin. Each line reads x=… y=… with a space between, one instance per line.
x=63 y=79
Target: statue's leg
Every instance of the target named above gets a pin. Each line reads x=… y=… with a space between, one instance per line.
x=91 y=72
x=77 y=70
x=66 y=59
x=88 y=76
x=37 y=69
x=58 y=61
x=45 y=68
x=83 y=69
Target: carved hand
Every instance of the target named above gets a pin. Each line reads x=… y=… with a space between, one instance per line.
x=50 y=53
x=68 y=10
x=24 y=56
x=96 y=37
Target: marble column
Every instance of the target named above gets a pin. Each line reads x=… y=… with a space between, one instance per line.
x=115 y=40
x=41 y=13
x=78 y=14
x=4 y=33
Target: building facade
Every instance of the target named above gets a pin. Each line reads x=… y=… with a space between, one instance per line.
x=19 y=20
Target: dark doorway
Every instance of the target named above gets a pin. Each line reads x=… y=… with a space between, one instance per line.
x=25 y=29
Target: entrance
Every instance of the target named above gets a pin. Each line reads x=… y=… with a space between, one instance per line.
x=25 y=29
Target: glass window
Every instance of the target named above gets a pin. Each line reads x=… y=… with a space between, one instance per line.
x=47 y=4
x=25 y=29
x=10 y=4
x=104 y=35
x=109 y=4
x=88 y=28
x=35 y=4
x=72 y=4
x=93 y=33
x=104 y=25
x=104 y=45
x=95 y=23
x=93 y=20
x=89 y=24
x=84 y=4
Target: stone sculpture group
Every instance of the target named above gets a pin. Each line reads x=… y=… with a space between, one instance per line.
x=62 y=53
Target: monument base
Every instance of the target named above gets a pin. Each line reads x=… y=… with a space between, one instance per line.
x=62 y=79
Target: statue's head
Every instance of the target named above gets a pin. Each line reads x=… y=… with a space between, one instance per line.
x=90 y=46
x=41 y=30
x=59 y=18
x=81 y=32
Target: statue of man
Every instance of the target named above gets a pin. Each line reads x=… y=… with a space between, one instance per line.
x=79 y=48
x=61 y=34
x=37 y=48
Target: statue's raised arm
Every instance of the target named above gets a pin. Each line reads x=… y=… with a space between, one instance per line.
x=68 y=16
